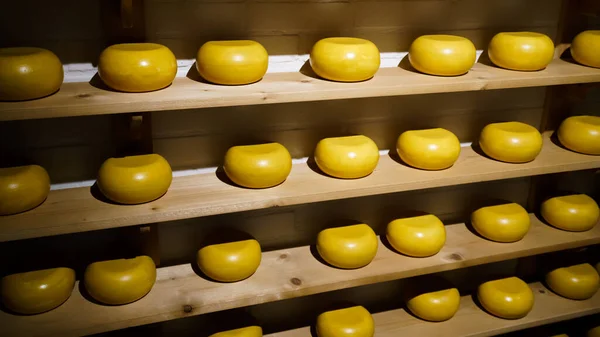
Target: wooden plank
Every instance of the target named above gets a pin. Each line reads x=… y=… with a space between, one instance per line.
x=83 y=99
x=287 y=273
x=472 y=321
x=77 y=210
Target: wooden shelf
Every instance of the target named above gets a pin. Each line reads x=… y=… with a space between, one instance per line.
x=77 y=210
x=180 y=292
x=471 y=321
x=84 y=99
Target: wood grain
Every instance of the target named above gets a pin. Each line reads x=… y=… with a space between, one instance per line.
x=472 y=321
x=180 y=292
x=77 y=210
x=83 y=99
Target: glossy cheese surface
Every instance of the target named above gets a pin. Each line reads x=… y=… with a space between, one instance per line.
x=232 y=62
x=347 y=157
x=121 y=281
x=28 y=73
x=435 y=306
x=581 y=134
x=431 y=149
x=345 y=59
x=230 y=262
x=347 y=247
x=250 y=331
x=442 y=55
x=585 y=48
x=258 y=166
x=577 y=212
x=22 y=188
x=38 y=291
x=348 y=322
x=523 y=51
x=501 y=223
x=511 y=142
x=578 y=282
x=418 y=236
x=135 y=179
x=509 y=298
x=137 y=67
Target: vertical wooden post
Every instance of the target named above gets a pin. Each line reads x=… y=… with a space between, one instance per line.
x=133 y=136
x=123 y=22
x=133 y=133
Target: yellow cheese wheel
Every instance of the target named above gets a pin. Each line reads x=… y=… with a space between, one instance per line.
x=345 y=59
x=578 y=282
x=22 y=188
x=594 y=332
x=430 y=149
x=418 y=236
x=349 y=322
x=435 y=306
x=348 y=247
x=135 y=179
x=585 y=48
x=501 y=223
x=511 y=142
x=581 y=134
x=442 y=55
x=230 y=262
x=250 y=331
x=38 y=291
x=137 y=67
x=28 y=73
x=232 y=62
x=258 y=166
x=347 y=157
x=121 y=281
x=576 y=212
x=509 y=298
x=523 y=51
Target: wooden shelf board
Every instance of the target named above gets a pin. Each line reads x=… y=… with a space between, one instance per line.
x=283 y=274
x=76 y=210
x=471 y=321
x=84 y=99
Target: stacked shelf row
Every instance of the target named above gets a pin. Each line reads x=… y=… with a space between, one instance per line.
x=180 y=292
x=472 y=321
x=84 y=99
x=78 y=210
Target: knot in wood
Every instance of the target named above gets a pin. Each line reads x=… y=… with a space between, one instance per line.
x=188 y=308
x=454 y=257
x=296 y=281
x=283 y=256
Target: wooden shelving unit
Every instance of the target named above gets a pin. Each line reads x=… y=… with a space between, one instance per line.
x=472 y=321
x=180 y=292
x=287 y=28
x=78 y=210
x=85 y=99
